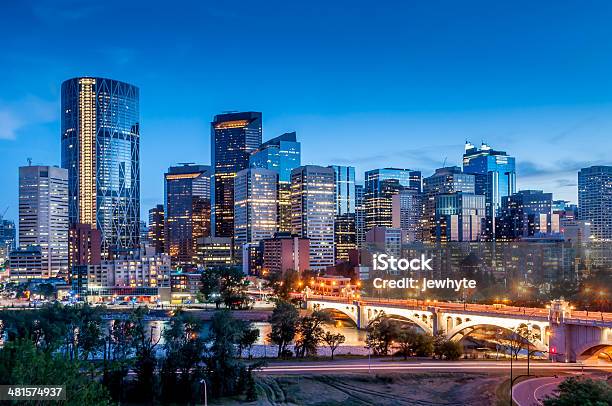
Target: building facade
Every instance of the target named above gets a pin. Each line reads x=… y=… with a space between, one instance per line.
x=285 y=252
x=345 y=230
x=407 y=211
x=84 y=245
x=234 y=136
x=595 y=200
x=101 y=150
x=281 y=154
x=380 y=186
x=156 y=228
x=313 y=202
x=495 y=177
x=360 y=215
x=460 y=217
x=527 y=213
x=43 y=215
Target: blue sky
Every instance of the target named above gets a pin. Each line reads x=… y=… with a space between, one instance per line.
x=371 y=84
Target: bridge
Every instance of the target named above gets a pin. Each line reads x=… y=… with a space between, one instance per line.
x=565 y=334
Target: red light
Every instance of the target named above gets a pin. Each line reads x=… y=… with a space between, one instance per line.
x=553 y=350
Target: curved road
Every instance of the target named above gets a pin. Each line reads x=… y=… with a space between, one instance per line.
x=532 y=391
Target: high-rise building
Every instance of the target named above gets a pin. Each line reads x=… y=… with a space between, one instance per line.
x=84 y=244
x=527 y=213
x=187 y=216
x=380 y=186
x=7 y=240
x=312 y=207
x=214 y=252
x=285 y=252
x=156 y=228
x=345 y=233
x=360 y=215
x=43 y=215
x=460 y=216
x=385 y=239
x=444 y=181
x=495 y=177
x=280 y=154
x=234 y=136
x=407 y=213
x=255 y=205
x=101 y=151
x=595 y=200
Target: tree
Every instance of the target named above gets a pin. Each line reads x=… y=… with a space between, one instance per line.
x=333 y=341
x=46 y=290
x=577 y=391
x=211 y=286
x=445 y=348
x=22 y=363
x=412 y=342
x=248 y=338
x=516 y=340
x=283 y=320
x=380 y=333
x=225 y=285
x=310 y=333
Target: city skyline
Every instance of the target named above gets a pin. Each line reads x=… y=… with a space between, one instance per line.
x=423 y=111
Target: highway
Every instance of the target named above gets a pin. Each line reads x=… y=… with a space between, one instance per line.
x=386 y=365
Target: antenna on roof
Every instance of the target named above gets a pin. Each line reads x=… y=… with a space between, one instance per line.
x=29 y=161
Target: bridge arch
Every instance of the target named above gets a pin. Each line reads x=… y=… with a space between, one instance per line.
x=349 y=310
x=418 y=319
x=474 y=324
x=591 y=345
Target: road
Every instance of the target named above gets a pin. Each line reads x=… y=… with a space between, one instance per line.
x=531 y=392
x=385 y=365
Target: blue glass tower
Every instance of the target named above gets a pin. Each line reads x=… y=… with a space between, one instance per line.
x=101 y=150
x=495 y=177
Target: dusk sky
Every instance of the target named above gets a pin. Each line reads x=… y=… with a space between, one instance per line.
x=369 y=84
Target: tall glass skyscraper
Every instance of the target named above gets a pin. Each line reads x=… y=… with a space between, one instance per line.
x=360 y=215
x=312 y=202
x=495 y=178
x=280 y=154
x=187 y=215
x=526 y=213
x=101 y=150
x=380 y=186
x=345 y=234
x=595 y=200
x=234 y=136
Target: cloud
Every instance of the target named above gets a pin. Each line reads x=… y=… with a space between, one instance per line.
x=566 y=183
x=18 y=115
x=531 y=169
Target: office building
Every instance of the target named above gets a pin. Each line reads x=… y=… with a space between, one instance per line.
x=313 y=202
x=495 y=177
x=527 y=213
x=234 y=136
x=595 y=200
x=444 y=181
x=285 y=252
x=84 y=244
x=380 y=186
x=214 y=252
x=156 y=228
x=460 y=216
x=407 y=211
x=345 y=232
x=385 y=239
x=26 y=262
x=187 y=215
x=255 y=206
x=43 y=215
x=100 y=127
x=360 y=215
x=280 y=154
x=8 y=239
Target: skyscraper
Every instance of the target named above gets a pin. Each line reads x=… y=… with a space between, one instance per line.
x=234 y=136
x=187 y=216
x=444 y=181
x=345 y=233
x=495 y=178
x=280 y=154
x=595 y=200
x=526 y=213
x=101 y=151
x=380 y=186
x=43 y=215
x=156 y=228
x=360 y=215
x=407 y=213
x=313 y=201
x=7 y=240
x=255 y=205
x=460 y=216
